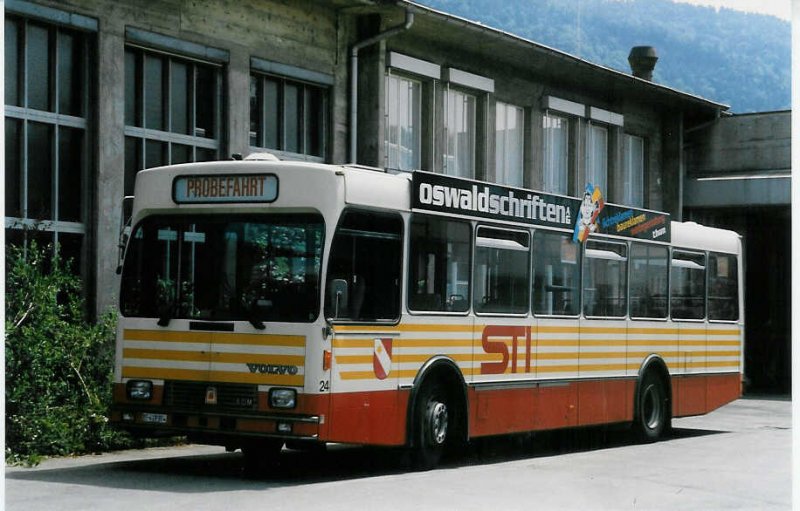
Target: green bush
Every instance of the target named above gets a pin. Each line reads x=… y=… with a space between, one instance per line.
x=59 y=365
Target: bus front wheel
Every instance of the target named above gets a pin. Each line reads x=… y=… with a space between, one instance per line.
x=433 y=426
x=652 y=415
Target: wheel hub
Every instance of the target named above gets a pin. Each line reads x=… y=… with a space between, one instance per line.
x=438 y=423
x=652 y=407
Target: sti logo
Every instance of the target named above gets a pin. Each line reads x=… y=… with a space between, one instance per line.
x=518 y=335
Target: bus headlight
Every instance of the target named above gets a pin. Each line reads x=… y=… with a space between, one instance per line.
x=140 y=390
x=282 y=398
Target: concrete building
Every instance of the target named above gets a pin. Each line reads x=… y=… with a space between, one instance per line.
x=739 y=177
x=97 y=90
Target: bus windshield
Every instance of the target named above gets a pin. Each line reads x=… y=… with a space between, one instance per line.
x=224 y=267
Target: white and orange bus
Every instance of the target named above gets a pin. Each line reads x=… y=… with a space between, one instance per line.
x=266 y=302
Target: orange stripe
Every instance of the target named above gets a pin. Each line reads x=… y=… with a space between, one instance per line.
x=215 y=337
x=221 y=376
x=204 y=356
x=353 y=343
x=408 y=327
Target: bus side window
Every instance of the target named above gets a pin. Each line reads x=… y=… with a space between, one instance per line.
x=501 y=271
x=723 y=287
x=556 y=268
x=605 y=279
x=366 y=253
x=439 y=265
x=649 y=281
x=688 y=285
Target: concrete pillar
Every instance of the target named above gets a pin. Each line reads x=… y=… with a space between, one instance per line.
x=673 y=166
x=109 y=184
x=237 y=104
x=371 y=108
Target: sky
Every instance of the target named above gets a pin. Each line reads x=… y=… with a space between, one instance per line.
x=780 y=8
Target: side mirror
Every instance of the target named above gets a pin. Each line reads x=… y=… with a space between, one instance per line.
x=337 y=296
x=124 y=229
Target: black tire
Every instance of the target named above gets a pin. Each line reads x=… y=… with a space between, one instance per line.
x=432 y=426
x=652 y=415
x=261 y=457
x=306 y=446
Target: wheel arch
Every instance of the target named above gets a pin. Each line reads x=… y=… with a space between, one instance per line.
x=444 y=370
x=653 y=363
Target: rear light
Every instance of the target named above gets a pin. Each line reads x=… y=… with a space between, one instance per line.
x=140 y=390
x=326 y=360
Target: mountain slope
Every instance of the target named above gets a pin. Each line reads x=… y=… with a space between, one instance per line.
x=736 y=58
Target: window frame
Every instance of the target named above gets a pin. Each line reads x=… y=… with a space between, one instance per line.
x=667 y=262
x=628 y=194
x=519 y=114
x=305 y=81
x=577 y=288
x=738 y=261
x=141 y=135
x=473 y=134
x=392 y=73
x=529 y=269
x=547 y=151
x=390 y=216
x=80 y=31
x=589 y=160
x=691 y=252
x=625 y=273
x=470 y=252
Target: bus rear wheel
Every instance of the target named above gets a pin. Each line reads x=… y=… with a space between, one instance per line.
x=433 y=426
x=652 y=415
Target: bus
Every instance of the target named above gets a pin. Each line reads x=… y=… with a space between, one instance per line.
x=267 y=303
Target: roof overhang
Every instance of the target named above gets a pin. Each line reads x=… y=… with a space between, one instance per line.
x=548 y=64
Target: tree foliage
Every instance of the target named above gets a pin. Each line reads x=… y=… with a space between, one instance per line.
x=732 y=57
x=59 y=366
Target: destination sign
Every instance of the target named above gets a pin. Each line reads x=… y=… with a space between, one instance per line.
x=446 y=194
x=225 y=188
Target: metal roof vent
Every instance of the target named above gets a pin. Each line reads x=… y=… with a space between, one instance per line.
x=643 y=60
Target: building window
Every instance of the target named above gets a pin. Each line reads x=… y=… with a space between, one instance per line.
x=288 y=117
x=172 y=111
x=508 y=136
x=597 y=156
x=556 y=153
x=460 y=128
x=403 y=122
x=633 y=171
x=46 y=134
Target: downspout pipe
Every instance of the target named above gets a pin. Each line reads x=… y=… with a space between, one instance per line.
x=354 y=75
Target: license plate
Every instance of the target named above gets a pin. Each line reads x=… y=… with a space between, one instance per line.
x=154 y=418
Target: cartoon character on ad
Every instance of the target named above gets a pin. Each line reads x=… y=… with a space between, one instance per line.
x=591 y=206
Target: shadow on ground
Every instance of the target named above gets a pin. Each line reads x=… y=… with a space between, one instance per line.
x=224 y=471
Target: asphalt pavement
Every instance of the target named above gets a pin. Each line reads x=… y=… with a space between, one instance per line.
x=738 y=457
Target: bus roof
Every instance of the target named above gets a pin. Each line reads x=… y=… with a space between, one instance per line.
x=304 y=184
x=695 y=236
